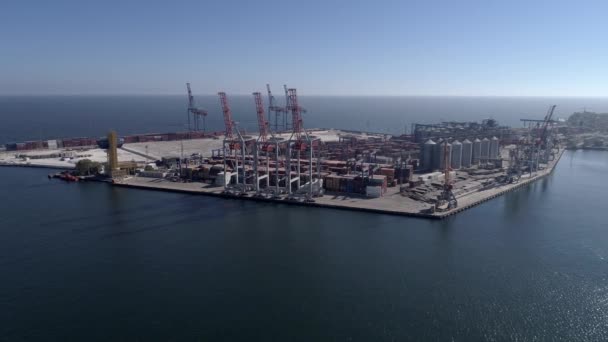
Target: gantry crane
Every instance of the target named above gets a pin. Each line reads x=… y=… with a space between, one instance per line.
x=300 y=141
x=548 y=119
x=296 y=114
x=234 y=144
x=263 y=125
x=272 y=107
x=539 y=141
x=288 y=106
x=266 y=146
x=446 y=200
x=545 y=143
x=228 y=123
x=196 y=113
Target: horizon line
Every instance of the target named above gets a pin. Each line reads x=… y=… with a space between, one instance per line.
x=302 y=95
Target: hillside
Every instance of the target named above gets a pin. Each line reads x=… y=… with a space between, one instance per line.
x=590 y=120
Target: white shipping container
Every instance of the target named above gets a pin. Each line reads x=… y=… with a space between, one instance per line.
x=373 y=191
x=317 y=185
x=223 y=178
x=152 y=174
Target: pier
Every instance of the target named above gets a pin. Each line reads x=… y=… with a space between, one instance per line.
x=392 y=203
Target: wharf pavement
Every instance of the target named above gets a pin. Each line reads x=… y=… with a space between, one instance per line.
x=391 y=203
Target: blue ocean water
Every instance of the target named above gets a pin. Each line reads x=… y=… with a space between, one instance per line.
x=93 y=262
x=97 y=263
x=43 y=117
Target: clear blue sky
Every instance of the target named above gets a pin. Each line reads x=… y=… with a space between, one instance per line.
x=530 y=48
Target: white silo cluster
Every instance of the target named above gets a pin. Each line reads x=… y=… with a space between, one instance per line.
x=456 y=161
x=476 y=151
x=467 y=153
x=460 y=154
x=436 y=153
x=427 y=154
x=442 y=154
x=485 y=150
x=494 y=148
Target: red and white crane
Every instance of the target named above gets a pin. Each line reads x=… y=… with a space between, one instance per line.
x=287 y=107
x=228 y=123
x=296 y=114
x=197 y=113
x=262 y=122
x=235 y=144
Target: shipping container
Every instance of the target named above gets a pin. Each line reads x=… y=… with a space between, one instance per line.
x=152 y=174
x=130 y=139
x=387 y=171
x=374 y=191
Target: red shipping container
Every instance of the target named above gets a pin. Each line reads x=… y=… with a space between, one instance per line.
x=130 y=139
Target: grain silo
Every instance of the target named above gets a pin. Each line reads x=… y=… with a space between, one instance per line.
x=456 y=155
x=435 y=159
x=476 y=151
x=427 y=154
x=494 y=148
x=467 y=153
x=485 y=150
x=442 y=154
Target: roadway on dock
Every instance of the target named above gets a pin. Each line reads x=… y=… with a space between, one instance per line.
x=391 y=203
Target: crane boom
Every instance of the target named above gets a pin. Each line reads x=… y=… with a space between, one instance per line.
x=287 y=106
x=229 y=124
x=270 y=97
x=190 y=97
x=446 y=163
x=196 y=113
x=262 y=123
x=543 y=135
x=296 y=113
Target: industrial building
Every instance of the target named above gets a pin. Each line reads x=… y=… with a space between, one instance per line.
x=433 y=168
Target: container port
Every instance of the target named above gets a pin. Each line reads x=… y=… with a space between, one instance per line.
x=435 y=171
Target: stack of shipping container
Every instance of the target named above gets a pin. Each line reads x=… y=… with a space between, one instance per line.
x=351 y=184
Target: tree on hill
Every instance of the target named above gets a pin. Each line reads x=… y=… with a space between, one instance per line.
x=590 y=120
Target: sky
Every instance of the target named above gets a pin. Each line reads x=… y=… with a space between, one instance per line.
x=456 y=48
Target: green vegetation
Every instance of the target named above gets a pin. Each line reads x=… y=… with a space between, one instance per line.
x=87 y=167
x=589 y=120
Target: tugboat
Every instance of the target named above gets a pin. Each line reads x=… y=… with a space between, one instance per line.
x=70 y=178
x=66 y=176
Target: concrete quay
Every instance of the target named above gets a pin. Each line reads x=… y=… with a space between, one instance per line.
x=391 y=203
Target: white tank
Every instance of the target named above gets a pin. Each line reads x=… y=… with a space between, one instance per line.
x=435 y=159
x=494 y=148
x=485 y=150
x=456 y=155
x=476 y=151
x=442 y=156
x=427 y=154
x=467 y=153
